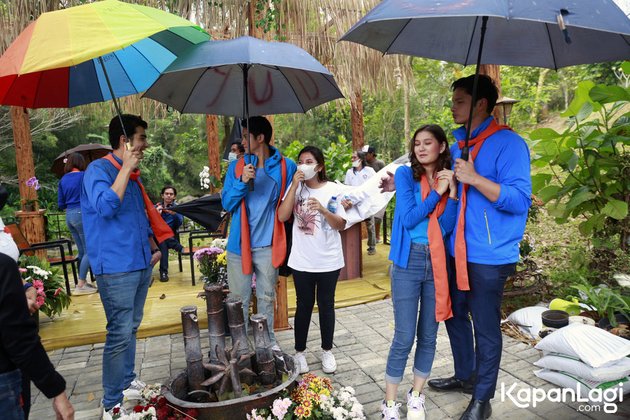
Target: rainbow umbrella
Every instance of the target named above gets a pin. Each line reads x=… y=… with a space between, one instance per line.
x=92 y=53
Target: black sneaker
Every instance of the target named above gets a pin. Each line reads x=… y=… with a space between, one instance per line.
x=163 y=276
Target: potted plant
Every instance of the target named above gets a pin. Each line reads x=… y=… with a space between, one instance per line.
x=607 y=302
x=212 y=262
x=48 y=282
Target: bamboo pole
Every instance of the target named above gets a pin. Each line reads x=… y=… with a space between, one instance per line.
x=192 y=348
x=262 y=345
x=216 y=320
x=236 y=323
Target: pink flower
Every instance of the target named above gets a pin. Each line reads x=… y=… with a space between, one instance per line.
x=40 y=301
x=38 y=284
x=57 y=292
x=23 y=270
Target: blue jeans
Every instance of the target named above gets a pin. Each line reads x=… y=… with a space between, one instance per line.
x=482 y=356
x=75 y=224
x=266 y=279
x=413 y=286
x=10 y=389
x=123 y=296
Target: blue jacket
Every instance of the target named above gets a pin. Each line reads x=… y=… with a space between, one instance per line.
x=69 y=191
x=116 y=233
x=409 y=212
x=494 y=229
x=234 y=191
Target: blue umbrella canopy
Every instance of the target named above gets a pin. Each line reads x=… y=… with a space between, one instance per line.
x=550 y=33
x=214 y=76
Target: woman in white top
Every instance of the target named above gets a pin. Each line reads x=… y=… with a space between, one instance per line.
x=357 y=175
x=316 y=253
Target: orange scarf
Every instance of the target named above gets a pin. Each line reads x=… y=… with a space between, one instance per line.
x=279 y=240
x=461 y=257
x=161 y=230
x=438 y=256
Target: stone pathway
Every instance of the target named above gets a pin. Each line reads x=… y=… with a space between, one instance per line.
x=362 y=338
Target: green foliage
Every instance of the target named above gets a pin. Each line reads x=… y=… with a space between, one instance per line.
x=605 y=300
x=56 y=299
x=589 y=163
x=336 y=156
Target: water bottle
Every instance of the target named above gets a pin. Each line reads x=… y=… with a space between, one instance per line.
x=332 y=207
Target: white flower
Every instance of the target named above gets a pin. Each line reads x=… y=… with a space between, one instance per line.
x=39 y=271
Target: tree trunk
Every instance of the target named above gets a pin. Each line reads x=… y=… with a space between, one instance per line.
x=356 y=118
x=494 y=71
x=31 y=222
x=264 y=354
x=407 y=122
x=214 y=155
x=542 y=75
x=192 y=348
x=216 y=320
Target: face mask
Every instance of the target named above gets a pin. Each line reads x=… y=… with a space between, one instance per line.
x=356 y=163
x=231 y=156
x=309 y=171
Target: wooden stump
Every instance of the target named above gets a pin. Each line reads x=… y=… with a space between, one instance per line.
x=281 y=306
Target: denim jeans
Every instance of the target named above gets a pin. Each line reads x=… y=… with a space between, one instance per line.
x=413 y=286
x=75 y=224
x=266 y=279
x=123 y=296
x=170 y=243
x=10 y=389
x=307 y=286
x=482 y=356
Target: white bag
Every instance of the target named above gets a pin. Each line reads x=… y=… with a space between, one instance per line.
x=567 y=364
x=592 y=345
x=528 y=319
x=583 y=386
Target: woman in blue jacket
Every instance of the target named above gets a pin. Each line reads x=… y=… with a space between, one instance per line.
x=69 y=199
x=426 y=205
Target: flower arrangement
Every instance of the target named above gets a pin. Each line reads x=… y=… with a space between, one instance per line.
x=30 y=204
x=48 y=282
x=153 y=406
x=212 y=262
x=313 y=398
x=204 y=178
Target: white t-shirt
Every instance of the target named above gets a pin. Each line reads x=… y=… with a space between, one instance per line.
x=357 y=178
x=315 y=249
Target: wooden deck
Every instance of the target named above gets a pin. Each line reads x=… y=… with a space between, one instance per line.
x=84 y=321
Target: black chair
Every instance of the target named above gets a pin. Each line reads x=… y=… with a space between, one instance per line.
x=64 y=258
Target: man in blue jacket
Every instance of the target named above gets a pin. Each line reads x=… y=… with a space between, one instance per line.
x=257 y=241
x=495 y=195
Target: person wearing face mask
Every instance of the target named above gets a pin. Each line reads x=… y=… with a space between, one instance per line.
x=316 y=253
x=357 y=175
x=237 y=150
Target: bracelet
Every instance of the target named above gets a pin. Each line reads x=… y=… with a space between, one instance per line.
x=153 y=251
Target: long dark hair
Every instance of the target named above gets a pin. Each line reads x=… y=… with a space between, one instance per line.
x=444 y=159
x=361 y=156
x=74 y=160
x=319 y=157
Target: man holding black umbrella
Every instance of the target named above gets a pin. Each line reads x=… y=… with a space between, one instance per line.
x=494 y=198
x=257 y=241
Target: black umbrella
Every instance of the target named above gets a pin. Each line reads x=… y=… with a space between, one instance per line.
x=90 y=152
x=207 y=211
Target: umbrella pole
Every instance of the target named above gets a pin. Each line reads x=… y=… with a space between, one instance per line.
x=111 y=91
x=250 y=183
x=465 y=150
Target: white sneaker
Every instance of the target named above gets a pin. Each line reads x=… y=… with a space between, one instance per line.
x=415 y=405
x=134 y=391
x=300 y=361
x=389 y=410
x=329 y=364
x=84 y=290
x=116 y=411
